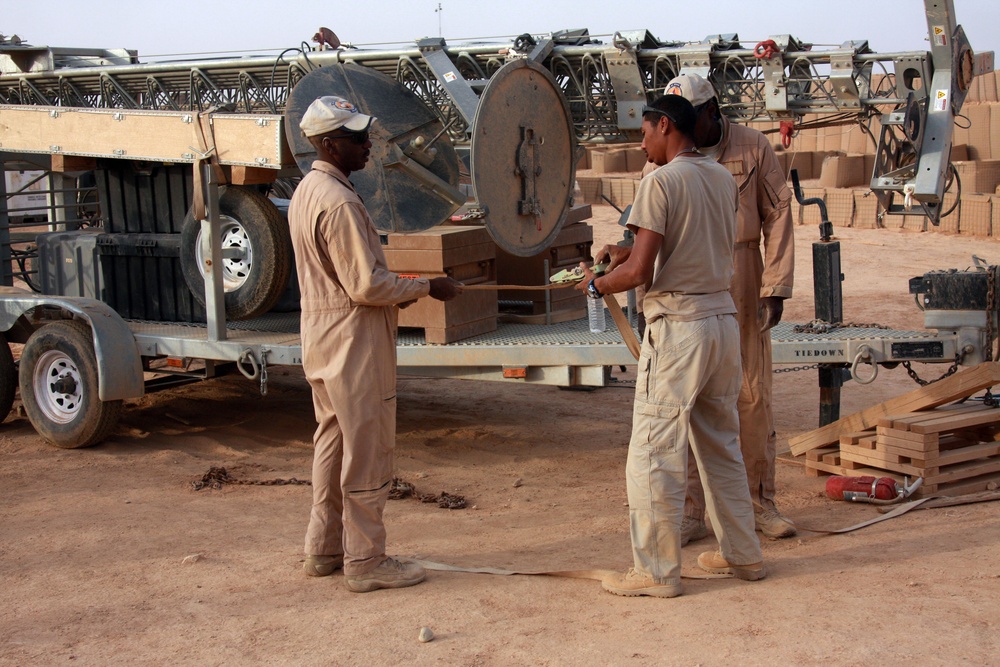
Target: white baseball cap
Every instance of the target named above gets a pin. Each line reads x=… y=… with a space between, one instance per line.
x=330 y=113
x=692 y=87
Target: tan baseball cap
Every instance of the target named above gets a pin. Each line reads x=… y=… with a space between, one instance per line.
x=692 y=87
x=330 y=113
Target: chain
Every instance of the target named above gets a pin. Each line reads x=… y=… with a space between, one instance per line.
x=263 y=371
x=402 y=489
x=923 y=383
x=822 y=327
x=216 y=477
x=795 y=368
x=989 y=400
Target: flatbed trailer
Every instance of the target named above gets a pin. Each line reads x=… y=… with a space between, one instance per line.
x=509 y=116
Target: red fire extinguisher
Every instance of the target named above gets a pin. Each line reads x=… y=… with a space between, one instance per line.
x=867 y=489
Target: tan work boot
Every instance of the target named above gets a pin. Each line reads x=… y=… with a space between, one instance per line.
x=631 y=583
x=712 y=561
x=693 y=530
x=390 y=573
x=771 y=524
x=322 y=566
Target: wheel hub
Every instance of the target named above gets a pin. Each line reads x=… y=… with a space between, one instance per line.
x=58 y=385
x=237 y=254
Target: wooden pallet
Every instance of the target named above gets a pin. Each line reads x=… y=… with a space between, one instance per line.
x=955 y=449
x=962 y=384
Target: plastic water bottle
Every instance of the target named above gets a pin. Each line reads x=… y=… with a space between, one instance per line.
x=595 y=313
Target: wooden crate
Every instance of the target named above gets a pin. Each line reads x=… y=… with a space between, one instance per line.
x=465 y=253
x=955 y=449
x=572 y=245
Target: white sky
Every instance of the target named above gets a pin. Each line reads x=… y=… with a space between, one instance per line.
x=266 y=26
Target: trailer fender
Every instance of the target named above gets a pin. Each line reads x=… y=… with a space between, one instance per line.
x=119 y=367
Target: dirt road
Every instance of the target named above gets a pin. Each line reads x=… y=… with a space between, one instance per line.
x=107 y=555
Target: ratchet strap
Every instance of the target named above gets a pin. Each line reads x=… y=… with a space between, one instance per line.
x=206 y=151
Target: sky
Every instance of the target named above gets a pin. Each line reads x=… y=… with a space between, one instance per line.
x=165 y=27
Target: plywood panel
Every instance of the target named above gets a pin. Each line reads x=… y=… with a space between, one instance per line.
x=142 y=135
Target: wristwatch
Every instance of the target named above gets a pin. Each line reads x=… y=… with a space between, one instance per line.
x=592 y=291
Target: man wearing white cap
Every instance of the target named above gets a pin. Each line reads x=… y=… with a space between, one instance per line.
x=760 y=286
x=349 y=353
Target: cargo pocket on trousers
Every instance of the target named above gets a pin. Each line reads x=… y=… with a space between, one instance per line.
x=661 y=435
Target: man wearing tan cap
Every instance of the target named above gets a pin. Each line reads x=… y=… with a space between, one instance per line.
x=760 y=286
x=349 y=353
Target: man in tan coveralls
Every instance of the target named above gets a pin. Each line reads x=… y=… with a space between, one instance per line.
x=349 y=300
x=684 y=218
x=760 y=285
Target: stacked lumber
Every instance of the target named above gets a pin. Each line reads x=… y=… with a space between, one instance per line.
x=954 y=448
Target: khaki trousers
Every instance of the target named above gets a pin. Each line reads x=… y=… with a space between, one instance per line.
x=757 y=439
x=350 y=363
x=688 y=382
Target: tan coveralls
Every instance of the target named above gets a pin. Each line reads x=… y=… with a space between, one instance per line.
x=764 y=214
x=349 y=359
x=689 y=371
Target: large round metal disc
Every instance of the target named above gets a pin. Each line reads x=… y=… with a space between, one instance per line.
x=522 y=158
x=400 y=193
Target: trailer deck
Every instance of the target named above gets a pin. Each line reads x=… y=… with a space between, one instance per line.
x=566 y=353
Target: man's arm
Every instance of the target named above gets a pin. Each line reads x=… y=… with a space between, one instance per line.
x=344 y=234
x=635 y=271
x=774 y=208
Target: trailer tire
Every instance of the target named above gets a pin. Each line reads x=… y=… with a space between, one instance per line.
x=59 y=387
x=8 y=378
x=254 y=281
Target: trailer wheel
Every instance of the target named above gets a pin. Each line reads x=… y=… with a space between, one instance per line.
x=59 y=387
x=8 y=379
x=257 y=253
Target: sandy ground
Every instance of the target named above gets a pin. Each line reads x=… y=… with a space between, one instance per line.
x=95 y=543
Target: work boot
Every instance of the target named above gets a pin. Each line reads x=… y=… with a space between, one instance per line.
x=631 y=583
x=712 y=561
x=322 y=566
x=390 y=573
x=693 y=530
x=771 y=524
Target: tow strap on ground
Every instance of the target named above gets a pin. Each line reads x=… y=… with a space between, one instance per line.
x=899 y=510
x=598 y=575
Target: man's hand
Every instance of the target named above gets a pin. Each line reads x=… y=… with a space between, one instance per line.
x=769 y=312
x=616 y=253
x=588 y=275
x=445 y=289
